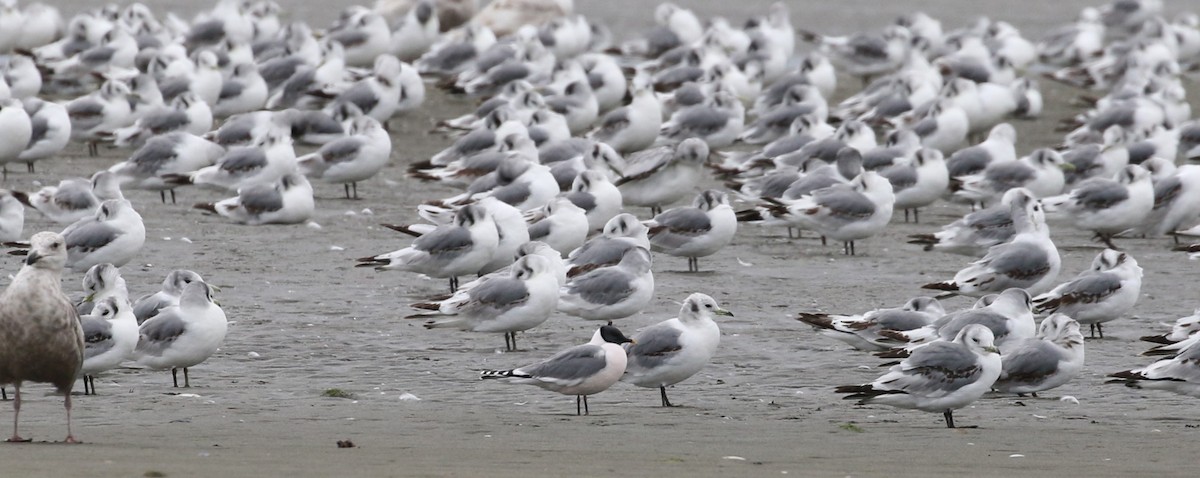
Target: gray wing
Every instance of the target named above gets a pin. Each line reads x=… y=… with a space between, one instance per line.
x=1089 y=289
x=845 y=202
x=512 y=194
x=900 y=320
x=902 y=176
x=40 y=126
x=606 y=286
x=1099 y=194
x=1009 y=175
x=1031 y=362
x=444 y=240
x=644 y=164
x=350 y=38
x=260 y=198
x=997 y=323
x=244 y=160
x=654 y=346
x=612 y=123
x=149 y=306
x=360 y=95
x=74 y=194
x=231 y=89
x=151 y=157
x=1166 y=190
x=85 y=113
x=539 y=229
x=867 y=46
x=602 y=251
x=678 y=226
x=165 y=121
x=575 y=364
x=968 y=161
x=1017 y=262
x=496 y=296
x=700 y=121
x=925 y=127
x=157 y=334
x=936 y=369
x=97 y=336
x=89 y=237
x=341 y=150
x=585 y=200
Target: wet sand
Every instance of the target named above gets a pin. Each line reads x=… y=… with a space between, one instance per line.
x=306 y=321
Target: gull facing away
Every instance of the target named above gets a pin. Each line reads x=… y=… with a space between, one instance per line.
x=694 y=232
x=1047 y=361
x=938 y=377
x=449 y=251
x=184 y=335
x=581 y=370
x=40 y=336
x=675 y=349
x=1103 y=293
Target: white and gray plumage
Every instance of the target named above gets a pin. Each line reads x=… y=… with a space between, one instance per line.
x=1009 y=317
x=978 y=231
x=182 y=336
x=364 y=35
x=718 y=122
x=416 y=31
x=632 y=127
x=172 y=153
x=944 y=126
x=863 y=331
x=15 y=121
x=99 y=282
x=865 y=55
x=663 y=175
x=797 y=101
x=97 y=115
x=1178 y=374
x=518 y=181
x=509 y=222
x=172 y=287
x=1030 y=260
x=1108 y=207
x=244 y=91
x=378 y=95
x=448 y=251
x=1176 y=199
x=1041 y=173
x=50 y=130
x=1047 y=361
x=269 y=160
x=939 y=377
x=1103 y=293
x=286 y=201
x=613 y=292
x=621 y=233
x=998 y=148
x=560 y=224
x=843 y=212
x=577 y=104
x=12 y=217
x=675 y=349
x=521 y=300
x=1182 y=329
x=357 y=157
x=599 y=198
x=72 y=199
x=187 y=112
x=110 y=333
x=114 y=234
x=581 y=370
x=694 y=232
x=40 y=336
x=918 y=183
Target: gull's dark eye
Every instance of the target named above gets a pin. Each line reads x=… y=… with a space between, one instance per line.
x=708 y=306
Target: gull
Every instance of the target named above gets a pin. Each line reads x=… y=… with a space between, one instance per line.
x=633 y=127
x=23 y=78
x=610 y=293
x=998 y=148
x=675 y=349
x=204 y=79
x=73 y=199
x=50 y=130
x=694 y=232
x=797 y=101
x=97 y=115
x=554 y=263
x=415 y=32
x=919 y=183
x=520 y=301
x=978 y=231
x=505 y=17
x=185 y=113
x=363 y=34
x=1074 y=43
x=597 y=196
x=172 y=153
x=574 y=156
x=621 y=233
x=360 y=155
x=1182 y=329
x=577 y=104
x=243 y=92
x=944 y=126
x=939 y=377
x=1029 y=260
x=560 y=224
x=172 y=287
x=1178 y=374
x=1047 y=361
x=12 y=217
x=1041 y=173
x=448 y=251
x=377 y=95
x=114 y=235
x=18 y=131
x=1176 y=200
x=1103 y=293
x=606 y=79
x=865 y=55
x=110 y=334
x=863 y=331
x=1108 y=207
x=456 y=52
x=581 y=370
x=663 y=175
x=718 y=122
x=287 y=201
x=40 y=336
x=1009 y=317
x=843 y=212
x=101 y=281
x=270 y=160
x=182 y=336
x=509 y=222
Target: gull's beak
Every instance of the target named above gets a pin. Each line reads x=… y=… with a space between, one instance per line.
x=724 y=312
x=89 y=297
x=1067 y=167
x=995 y=350
x=32 y=258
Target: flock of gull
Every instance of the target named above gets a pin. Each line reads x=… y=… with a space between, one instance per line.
x=574 y=132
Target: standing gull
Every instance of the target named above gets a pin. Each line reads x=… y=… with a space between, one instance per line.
x=40 y=336
x=581 y=370
x=978 y=231
x=610 y=293
x=675 y=349
x=182 y=336
x=1108 y=207
x=939 y=377
x=663 y=175
x=1047 y=361
x=1103 y=293
x=694 y=232
x=172 y=287
x=110 y=334
x=286 y=201
x=449 y=251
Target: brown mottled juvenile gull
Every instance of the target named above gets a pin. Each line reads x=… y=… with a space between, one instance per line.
x=40 y=336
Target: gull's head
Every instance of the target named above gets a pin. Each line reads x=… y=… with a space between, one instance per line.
x=978 y=338
x=107 y=309
x=48 y=250
x=196 y=293
x=611 y=335
x=710 y=199
x=700 y=305
x=101 y=277
x=537 y=248
x=925 y=304
x=1014 y=299
x=1061 y=329
x=602 y=153
x=636 y=259
x=624 y=225
x=692 y=150
x=178 y=279
x=530 y=266
x=471 y=215
x=1133 y=174
x=929 y=157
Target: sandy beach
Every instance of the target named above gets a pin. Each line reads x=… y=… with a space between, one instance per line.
x=304 y=321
